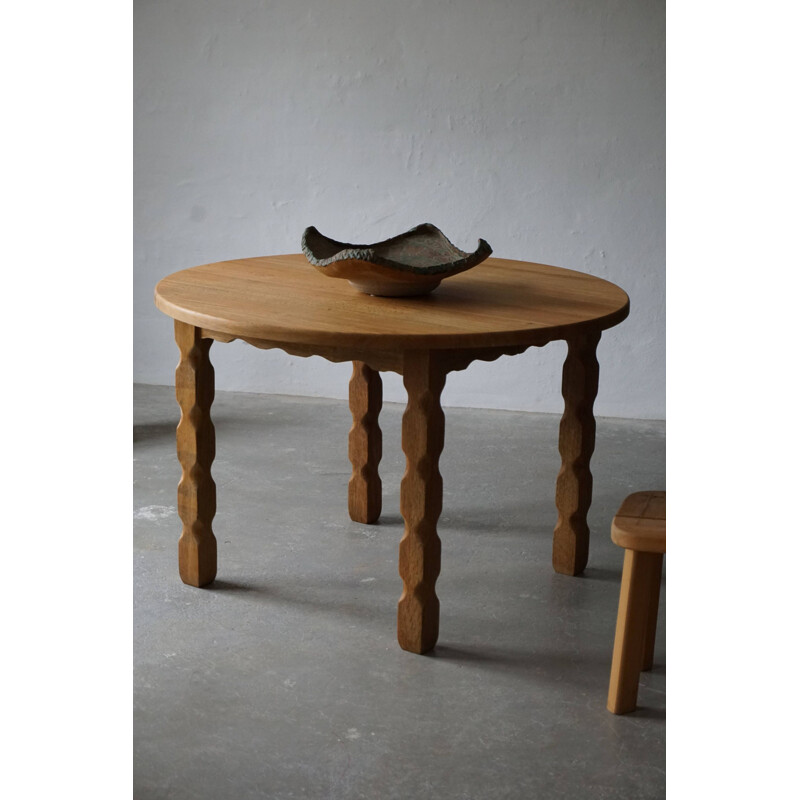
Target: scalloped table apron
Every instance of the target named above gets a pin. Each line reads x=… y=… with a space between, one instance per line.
x=500 y=307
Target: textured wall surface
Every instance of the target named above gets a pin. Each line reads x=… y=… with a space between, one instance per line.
x=537 y=125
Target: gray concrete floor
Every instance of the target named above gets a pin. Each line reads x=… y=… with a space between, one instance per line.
x=285 y=680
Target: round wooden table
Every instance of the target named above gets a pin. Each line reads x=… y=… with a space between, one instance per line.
x=500 y=307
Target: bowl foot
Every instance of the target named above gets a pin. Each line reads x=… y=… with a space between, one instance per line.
x=393 y=289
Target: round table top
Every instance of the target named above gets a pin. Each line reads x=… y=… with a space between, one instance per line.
x=498 y=303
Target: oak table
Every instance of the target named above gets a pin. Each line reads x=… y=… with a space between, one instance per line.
x=500 y=307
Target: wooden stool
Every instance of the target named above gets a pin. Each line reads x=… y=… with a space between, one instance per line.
x=640 y=526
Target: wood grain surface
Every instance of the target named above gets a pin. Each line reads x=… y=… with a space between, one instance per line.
x=640 y=526
x=365 y=444
x=421 y=502
x=500 y=307
x=641 y=522
x=284 y=299
x=197 y=492
x=631 y=637
x=576 y=438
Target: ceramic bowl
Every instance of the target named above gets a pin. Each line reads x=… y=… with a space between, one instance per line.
x=413 y=263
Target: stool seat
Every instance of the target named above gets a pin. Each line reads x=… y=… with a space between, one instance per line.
x=641 y=523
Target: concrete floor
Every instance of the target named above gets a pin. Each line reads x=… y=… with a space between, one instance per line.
x=284 y=680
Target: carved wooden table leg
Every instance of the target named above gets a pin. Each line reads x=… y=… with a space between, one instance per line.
x=576 y=445
x=197 y=493
x=364 y=489
x=421 y=502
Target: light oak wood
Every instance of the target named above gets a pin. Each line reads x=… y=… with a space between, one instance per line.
x=576 y=445
x=421 y=502
x=197 y=492
x=284 y=299
x=637 y=617
x=385 y=361
x=654 y=580
x=640 y=523
x=378 y=360
x=365 y=444
x=500 y=307
x=632 y=616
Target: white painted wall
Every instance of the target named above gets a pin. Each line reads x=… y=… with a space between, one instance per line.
x=538 y=126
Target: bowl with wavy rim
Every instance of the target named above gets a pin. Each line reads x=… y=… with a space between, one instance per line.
x=413 y=263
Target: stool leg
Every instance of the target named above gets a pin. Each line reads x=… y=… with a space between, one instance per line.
x=197 y=492
x=365 y=444
x=652 y=612
x=421 y=503
x=629 y=640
